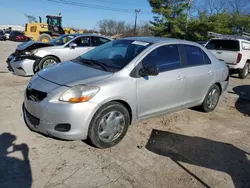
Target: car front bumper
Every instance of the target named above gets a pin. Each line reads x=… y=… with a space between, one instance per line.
x=50 y=114
x=22 y=67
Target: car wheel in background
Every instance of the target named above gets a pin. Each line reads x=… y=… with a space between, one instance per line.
x=47 y=62
x=45 y=38
x=211 y=100
x=244 y=72
x=109 y=125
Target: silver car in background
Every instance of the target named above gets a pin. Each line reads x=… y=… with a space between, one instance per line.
x=99 y=94
x=63 y=48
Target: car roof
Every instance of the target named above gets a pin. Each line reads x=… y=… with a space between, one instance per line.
x=156 y=40
x=86 y=34
x=233 y=39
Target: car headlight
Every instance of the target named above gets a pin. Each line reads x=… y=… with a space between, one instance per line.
x=32 y=52
x=79 y=93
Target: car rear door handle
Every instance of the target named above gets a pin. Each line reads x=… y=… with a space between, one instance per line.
x=180 y=77
x=210 y=72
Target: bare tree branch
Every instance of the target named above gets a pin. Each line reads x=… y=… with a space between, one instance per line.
x=30 y=18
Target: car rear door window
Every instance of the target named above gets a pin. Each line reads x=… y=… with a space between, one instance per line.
x=194 y=56
x=97 y=41
x=206 y=58
x=165 y=58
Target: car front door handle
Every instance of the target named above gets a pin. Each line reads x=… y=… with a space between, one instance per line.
x=180 y=77
x=210 y=72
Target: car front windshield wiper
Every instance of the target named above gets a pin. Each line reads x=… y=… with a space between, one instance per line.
x=93 y=62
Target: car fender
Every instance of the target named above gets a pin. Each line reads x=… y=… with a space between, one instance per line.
x=117 y=98
x=42 y=54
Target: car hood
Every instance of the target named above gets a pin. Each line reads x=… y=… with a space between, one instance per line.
x=71 y=73
x=48 y=48
x=32 y=45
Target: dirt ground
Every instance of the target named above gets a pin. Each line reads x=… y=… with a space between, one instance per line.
x=183 y=149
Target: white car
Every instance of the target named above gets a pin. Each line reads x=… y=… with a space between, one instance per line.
x=31 y=57
x=7 y=34
x=234 y=51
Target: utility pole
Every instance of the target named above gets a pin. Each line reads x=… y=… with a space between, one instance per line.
x=137 y=11
x=188 y=14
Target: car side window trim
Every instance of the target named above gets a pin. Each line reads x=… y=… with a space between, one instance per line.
x=184 y=55
x=205 y=56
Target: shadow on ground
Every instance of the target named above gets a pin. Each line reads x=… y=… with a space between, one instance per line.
x=243 y=102
x=14 y=172
x=202 y=152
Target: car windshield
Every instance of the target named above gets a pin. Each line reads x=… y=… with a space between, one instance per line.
x=230 y=45
x=115 y=54
x=63 y=39
x=1 y=32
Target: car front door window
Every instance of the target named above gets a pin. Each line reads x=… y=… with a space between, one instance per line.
x=97 y=41
x=164 y=58
x=82 y=42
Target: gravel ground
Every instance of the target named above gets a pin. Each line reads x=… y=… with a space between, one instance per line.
x=183 y=149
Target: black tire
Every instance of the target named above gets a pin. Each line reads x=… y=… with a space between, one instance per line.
x=205 y=105
x=36 y=66
x=93 y=135
x=43 y=60
x=44 y=36
x=244 y=72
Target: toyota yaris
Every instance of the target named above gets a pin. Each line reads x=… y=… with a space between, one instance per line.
x=99 y=94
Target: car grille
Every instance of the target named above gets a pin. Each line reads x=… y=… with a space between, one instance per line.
x=32 y=119
x=35 y=95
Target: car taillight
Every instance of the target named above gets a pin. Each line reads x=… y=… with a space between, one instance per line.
x=239 y=58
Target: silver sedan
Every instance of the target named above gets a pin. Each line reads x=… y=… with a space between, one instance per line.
x=25 y=62
x=99 y=94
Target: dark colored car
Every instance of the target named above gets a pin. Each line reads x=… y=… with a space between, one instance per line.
x=18 y=36
x=2 y=36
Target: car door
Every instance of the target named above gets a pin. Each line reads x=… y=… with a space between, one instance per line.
x=197 y=72
x=166 y=91
x=82 y=46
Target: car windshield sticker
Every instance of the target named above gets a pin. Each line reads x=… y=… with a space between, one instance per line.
x=140 y=43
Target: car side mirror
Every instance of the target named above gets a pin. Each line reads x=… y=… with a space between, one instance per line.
x=72 y=45
x=148 y=71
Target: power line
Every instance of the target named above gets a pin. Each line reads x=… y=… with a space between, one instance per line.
x=120 y=2
x=95 y=6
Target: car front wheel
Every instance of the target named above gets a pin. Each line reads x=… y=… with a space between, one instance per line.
x=109 y=125
x=47 y=62
x=211 y=100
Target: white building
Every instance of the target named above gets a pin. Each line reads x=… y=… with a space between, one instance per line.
x=13 y=27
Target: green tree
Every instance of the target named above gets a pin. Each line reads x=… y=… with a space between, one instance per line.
x=170 y=18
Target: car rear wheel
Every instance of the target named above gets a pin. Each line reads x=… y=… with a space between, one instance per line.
x=244 y=72
x=47 y=62
x=211 y=100
x=109 y=125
